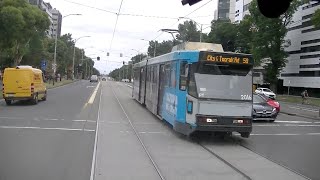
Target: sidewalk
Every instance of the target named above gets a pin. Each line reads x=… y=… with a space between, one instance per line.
x=298 y=109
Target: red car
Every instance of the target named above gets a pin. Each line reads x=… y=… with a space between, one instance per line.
x=271 y=102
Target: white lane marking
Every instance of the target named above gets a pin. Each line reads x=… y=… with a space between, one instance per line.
x=40 y=128
x=94 y=94
x=305 y=109
x=151 y=132
x=94 y=155
x=288 y=125
x=12 y=118
x=313 y=133
x=284 y=134
x=294 y=122
x=90 y=86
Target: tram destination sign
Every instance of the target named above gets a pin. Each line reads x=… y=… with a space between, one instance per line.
x=230 y=58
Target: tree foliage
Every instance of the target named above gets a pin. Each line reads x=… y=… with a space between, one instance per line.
x=268 y=39
x=20 y=22
x=316 y=18
x=224 y=33
x=188 y=32
x=161 y=48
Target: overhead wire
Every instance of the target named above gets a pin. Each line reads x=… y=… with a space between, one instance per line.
x=178 y=21
x=84 y=5
x=115 y=26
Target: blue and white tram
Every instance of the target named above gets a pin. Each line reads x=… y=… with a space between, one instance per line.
x=196 y=90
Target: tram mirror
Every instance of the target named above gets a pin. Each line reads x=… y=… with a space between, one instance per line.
x=189 y=107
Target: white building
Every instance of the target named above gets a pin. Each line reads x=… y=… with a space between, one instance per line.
x=57 y=21
x=303 y=67
x=46 y=7
x=225 y=9
x=241 y=9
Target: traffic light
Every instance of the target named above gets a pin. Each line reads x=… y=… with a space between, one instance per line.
x=107 y=53
x=121 y=55
x=123 y=62
x=98 y=58
x=273 y=8
x=190 y=2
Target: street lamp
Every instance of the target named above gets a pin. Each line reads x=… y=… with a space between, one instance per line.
x=74 y=53
x=55 y=45
x=155 y=47
x=200 y=25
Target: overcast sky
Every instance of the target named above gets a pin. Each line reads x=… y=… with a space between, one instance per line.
x=131 y=27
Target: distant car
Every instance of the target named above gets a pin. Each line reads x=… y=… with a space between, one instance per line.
x=266 y=92
x=262 y=110
x=272 y=102
x=94 y=78
x=103 y=79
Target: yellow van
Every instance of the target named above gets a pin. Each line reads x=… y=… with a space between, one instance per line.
x=23 y=83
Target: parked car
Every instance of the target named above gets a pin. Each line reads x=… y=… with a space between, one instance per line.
x=94 y=78
x=104 y=79
x=262 y=110
x=266 y=92
x=272 y=102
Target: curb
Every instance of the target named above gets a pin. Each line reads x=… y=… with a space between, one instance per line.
x=64 y=84
x=298 y=115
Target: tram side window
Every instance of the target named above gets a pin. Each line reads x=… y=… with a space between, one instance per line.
x=167 y=74
x=173 y=74
x=183 y=77
x=192 y=88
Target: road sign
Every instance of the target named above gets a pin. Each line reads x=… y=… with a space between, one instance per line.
x=43 y=64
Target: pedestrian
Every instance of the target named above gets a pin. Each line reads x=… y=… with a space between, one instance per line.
x=304 y=96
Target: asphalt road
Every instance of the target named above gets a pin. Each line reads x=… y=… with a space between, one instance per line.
x=279 y=150
x=53 y=140
x=56 y=140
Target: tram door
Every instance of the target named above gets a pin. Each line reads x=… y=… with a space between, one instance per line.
x=142 y=85
x=161 y=87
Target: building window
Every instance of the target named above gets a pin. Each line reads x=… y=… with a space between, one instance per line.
x=310 y=56
x=310 y=49
x=307 y=16
x=310 y=6
x=310 y=41
x=310 y=66
x=310 y=30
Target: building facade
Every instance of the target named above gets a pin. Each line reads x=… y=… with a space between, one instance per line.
x=53 y=15
x=224 y=9
x=57 y=22
x=241 y=9
x=303 y=66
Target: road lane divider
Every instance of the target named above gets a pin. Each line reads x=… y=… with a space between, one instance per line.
x=91 y=99
x=40 y=128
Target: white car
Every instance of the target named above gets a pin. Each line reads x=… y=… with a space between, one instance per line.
x=267 y=92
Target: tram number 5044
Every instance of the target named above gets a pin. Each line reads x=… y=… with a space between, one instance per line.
x=246 y=97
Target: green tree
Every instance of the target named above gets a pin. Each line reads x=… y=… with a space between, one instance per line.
x=188 y=32
x=137 y=58
x=268 y=41
x=161 y=48
x=316 y=18
x=19 y=23
x=224 y=33
x=244 y=36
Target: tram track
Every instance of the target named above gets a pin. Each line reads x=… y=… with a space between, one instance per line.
x=201 y=145
x=154 y=164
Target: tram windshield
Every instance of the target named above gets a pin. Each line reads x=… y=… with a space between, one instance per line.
x=220 y=81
